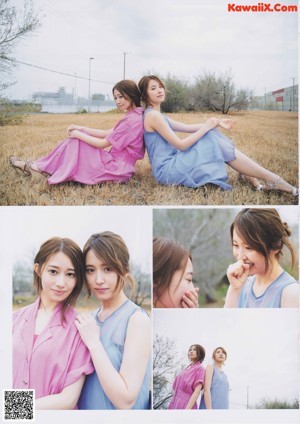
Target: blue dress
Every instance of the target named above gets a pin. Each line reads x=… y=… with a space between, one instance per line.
x=271 y=298
x=112 y=335
x=202 y=163
x=219 y=391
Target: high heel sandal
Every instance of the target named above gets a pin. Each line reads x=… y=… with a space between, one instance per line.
x=24 y=169
x=269 y=185
x=256 y=185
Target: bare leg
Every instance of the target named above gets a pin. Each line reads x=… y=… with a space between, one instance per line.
x=247 y=166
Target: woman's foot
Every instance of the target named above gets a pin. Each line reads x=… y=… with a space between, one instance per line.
x=282 y=186
x=252 y=180
x=20 y=164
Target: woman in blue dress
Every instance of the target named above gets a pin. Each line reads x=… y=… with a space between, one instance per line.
x=216 y=386
x=117 y=334
x=256 y=279
x=200 y=157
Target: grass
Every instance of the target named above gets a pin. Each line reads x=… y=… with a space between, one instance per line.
x=268 y=137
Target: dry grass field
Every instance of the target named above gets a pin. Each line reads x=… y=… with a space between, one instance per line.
x=270 y=138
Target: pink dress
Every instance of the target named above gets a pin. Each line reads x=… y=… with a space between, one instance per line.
x=57 y=358
x=185 y=384
x=75 y=160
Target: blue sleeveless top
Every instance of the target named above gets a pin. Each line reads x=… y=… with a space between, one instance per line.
x=202 y=163
x=219 y=391
x=271 y=298
x=112 y=335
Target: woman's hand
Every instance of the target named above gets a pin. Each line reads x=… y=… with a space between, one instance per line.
x=71 y=128
x=74 y=133
x=237 y=274
x=190 y=299
x=212 y=122
x=88 y=329
x=227 y=124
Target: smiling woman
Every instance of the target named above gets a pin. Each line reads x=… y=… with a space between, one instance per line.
x=257 y=280
x=44 y=332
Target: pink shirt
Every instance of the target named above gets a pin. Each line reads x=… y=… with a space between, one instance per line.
x=127 y=136
x=57 y=359
x=185 y=384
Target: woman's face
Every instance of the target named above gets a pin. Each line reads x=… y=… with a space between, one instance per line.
x=242 y=251
x=121 y=102
x=58 y=278
x=101 y=279
x=192 y=354
x=180 y=283
x=156 y=92
x=219 y=356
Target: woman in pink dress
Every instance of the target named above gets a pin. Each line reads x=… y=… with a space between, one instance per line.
x=189 y=383
x=48 y=353
x=92 y=156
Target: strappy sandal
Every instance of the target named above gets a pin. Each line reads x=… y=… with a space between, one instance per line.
x=24 y=169
x=269 y=185
x=28 y=165
x=257 y=186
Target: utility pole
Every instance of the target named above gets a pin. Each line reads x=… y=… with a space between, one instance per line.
x=89 y=99
x=124 y=64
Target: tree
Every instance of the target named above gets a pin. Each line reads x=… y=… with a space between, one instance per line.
x=142 y=290
x=276 y=404
x=219 y=94
x=206 y=234
x=165 y=368
x=15 y=23
x=177 y=94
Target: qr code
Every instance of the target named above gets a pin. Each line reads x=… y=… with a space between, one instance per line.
x=18 y=405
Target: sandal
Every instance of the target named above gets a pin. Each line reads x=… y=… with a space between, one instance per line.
x=24 y=169
x=269 y=185
x=256 y=185
x=28 y=165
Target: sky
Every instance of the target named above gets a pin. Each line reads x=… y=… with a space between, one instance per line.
x=261 y=345
x=183 y=38
x=31 y=226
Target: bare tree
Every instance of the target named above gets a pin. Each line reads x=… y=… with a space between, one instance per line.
x=166 y=365
x=219 y=94
x=205 y=232
x=15 y=23
x=142 y=290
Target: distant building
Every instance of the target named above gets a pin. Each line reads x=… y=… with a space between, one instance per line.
x=58 y=98
x=98 y=96
x=62 y=102
x=284 y=99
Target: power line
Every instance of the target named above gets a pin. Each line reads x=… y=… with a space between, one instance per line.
x=58 y=72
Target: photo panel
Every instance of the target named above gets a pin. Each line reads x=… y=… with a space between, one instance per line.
x=26 y=233
x=212 y=257
x=260 y=347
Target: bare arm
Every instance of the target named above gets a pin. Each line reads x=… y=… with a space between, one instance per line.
x=90 y=131
x=100 y=143
x=290 y=296
x=66 y=399
x=207 y=386
x=155 y=122
x=181 y=127
x=190 y=128
x=123 y=387
x=194 y=397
